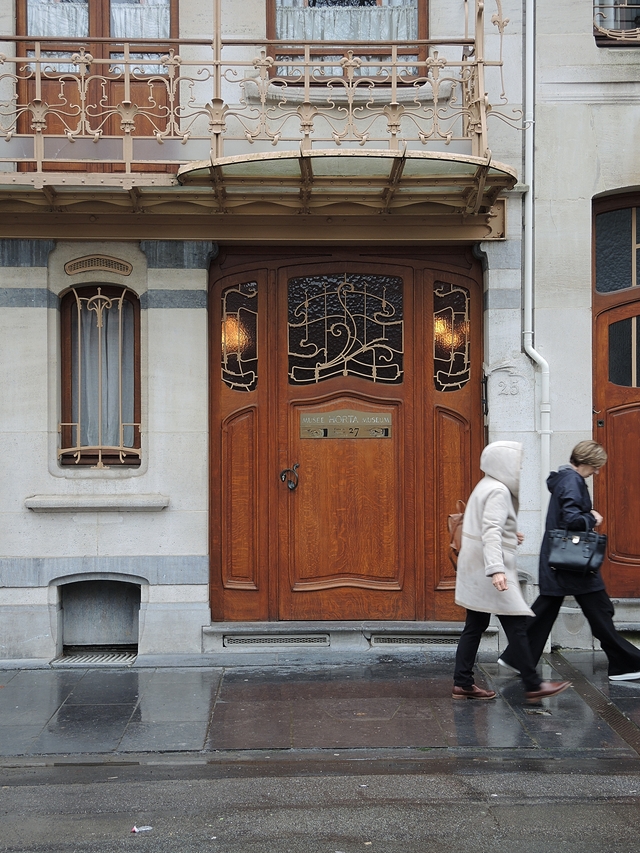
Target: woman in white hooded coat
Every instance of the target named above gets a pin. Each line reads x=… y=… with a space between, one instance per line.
x=487 y=579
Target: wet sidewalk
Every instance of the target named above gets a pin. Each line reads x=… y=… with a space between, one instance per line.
x=400 y=702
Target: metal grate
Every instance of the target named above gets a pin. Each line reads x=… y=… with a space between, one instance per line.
x=415 y=640
x=96 y=659
x=290 y=640
x=98 y=262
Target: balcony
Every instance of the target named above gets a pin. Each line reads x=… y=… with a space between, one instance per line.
x=229 y=124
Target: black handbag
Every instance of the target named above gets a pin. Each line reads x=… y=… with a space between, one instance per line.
x=577 y=551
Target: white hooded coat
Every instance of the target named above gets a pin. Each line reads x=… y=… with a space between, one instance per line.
x=489 y=535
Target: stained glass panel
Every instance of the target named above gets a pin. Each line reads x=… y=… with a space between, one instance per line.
x=345 y=325
x=451 y=356
x=240 y=337
x=615 y=250
x=624 y=353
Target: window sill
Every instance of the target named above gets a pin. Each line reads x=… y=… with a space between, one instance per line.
x=97 y=503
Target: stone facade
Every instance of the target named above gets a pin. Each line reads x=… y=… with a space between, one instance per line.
x=149 y=525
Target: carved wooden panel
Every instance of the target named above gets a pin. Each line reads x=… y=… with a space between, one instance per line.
x=623 y=479
x=239 y=520
x=451 y=455
x=347 y=489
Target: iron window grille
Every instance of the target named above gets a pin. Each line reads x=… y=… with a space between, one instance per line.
x=100 y=349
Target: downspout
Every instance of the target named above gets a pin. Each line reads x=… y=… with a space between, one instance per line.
x=528 y=240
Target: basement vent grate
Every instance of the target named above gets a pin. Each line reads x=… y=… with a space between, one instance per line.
x=291 y=640
x=419 y=640
x=98 y=262
x=96 y=659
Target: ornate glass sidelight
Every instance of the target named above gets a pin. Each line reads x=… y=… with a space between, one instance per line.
x=345 y=325
x=624 y=353
x=451 y=364
x=240 y=337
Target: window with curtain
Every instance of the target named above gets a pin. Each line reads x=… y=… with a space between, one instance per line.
x=346 y=21
x=100 y=334
x=357 y=20
x=617 y=22
x=117 y=19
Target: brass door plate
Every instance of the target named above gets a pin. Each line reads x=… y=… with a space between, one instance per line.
x=345 y=423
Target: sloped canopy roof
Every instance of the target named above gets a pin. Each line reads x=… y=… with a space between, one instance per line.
x=333 y=180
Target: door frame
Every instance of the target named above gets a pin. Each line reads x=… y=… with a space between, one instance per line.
x=435 y=578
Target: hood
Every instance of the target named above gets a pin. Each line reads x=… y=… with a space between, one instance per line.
x=554 y=476
x=502 y=460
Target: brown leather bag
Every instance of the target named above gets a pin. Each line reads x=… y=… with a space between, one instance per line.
x=454 y=525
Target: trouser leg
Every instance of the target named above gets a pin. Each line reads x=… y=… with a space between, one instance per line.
x=475 y=625
x=515 y=627
x=623 y=656
x=546 y=609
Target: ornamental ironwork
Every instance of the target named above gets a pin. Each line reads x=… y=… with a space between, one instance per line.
x=345 y=325
x=186 y=100
x=451 y=342
x=239 y=337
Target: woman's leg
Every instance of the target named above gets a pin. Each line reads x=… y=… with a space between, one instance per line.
x=623 y=656
x=546 y=609
x=515 y=627
x=475 y=625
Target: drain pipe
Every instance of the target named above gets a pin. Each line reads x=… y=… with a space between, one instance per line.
x=528 y=271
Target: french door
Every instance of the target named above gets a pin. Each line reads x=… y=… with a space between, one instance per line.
x=346 y=422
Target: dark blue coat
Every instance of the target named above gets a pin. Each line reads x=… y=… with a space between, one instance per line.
x=569 y=507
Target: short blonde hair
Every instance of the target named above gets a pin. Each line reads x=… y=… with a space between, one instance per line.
x=588 y=453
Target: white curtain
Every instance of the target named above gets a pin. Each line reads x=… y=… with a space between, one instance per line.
x=148 y=20
x=396 y=20
x=116 y=357
x=55 y=18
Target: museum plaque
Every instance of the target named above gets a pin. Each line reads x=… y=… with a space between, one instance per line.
x=345 y=423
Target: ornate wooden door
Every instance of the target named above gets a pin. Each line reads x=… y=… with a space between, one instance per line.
x=346 y=422
x=617 y=427
x=347 y=524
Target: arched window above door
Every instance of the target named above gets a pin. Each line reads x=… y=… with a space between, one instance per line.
x=617 y=249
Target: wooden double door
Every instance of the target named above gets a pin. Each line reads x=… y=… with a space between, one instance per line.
x=345 y=423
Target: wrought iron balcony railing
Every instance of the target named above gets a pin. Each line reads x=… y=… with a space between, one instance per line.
x=152 y=106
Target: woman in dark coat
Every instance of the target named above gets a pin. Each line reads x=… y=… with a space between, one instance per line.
x=570 y=507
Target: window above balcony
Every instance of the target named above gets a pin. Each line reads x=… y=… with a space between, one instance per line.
x=118 y=19
x=353 y=20
x=616 y=23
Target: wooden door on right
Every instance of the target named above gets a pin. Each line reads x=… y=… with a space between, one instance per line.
x=617 y=428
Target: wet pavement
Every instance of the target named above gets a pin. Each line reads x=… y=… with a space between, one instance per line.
x=397 y=705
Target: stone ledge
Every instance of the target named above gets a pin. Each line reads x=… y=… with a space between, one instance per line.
x=97 y=503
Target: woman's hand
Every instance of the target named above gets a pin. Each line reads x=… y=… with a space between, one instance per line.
x=520 y=537
x=499 y=580
x=597 y=517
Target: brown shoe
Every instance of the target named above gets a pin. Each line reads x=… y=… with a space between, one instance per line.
x=473 y=692
x=546 y=689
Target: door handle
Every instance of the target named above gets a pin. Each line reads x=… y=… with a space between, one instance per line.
x=291 y=481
